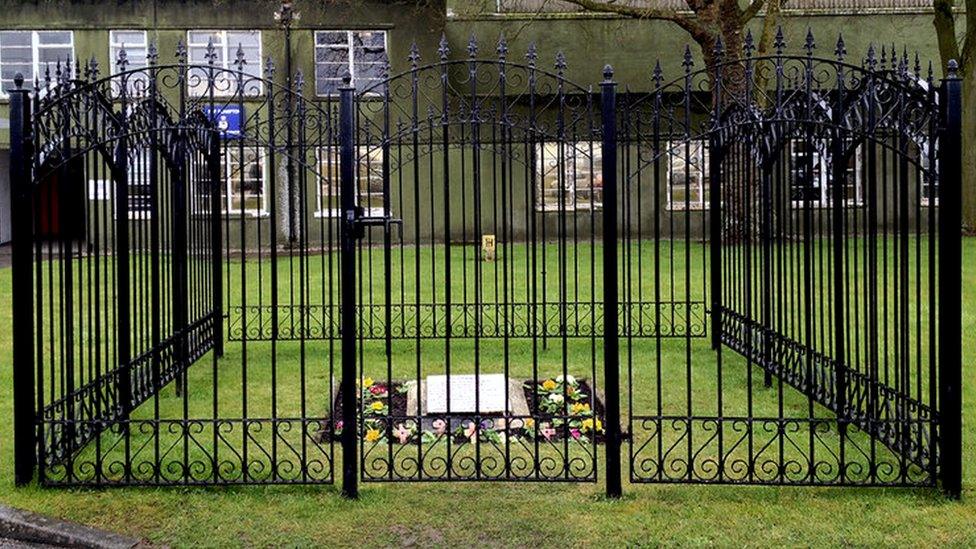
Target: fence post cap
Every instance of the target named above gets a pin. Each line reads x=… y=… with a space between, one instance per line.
x=608 y=74
x=19 y=80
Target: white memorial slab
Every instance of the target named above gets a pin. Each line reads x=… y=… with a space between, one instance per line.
x=490 y=394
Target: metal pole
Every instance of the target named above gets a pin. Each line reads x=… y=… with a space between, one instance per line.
x=950 y=284
x=216 y=236
x=611 y=343
x=347 y=198
x=22 y=281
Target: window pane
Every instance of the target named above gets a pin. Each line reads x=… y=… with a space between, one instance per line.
x=45 y=38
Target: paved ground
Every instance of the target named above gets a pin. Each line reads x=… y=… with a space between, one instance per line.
x=29 y=530
x=4 y=261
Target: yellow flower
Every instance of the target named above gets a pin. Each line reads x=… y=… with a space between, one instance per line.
x=579 y=408
x=372 y=435
x=377 y=406
x=529 y=422
x=589 y=424
x=549 y=385
x=367 y=382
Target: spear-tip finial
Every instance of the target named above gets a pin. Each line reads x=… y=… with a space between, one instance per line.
x=502 y=48
x=443 y=49
x=414 y=56
x=750 y=44
x=811 y=43
x=779 y=43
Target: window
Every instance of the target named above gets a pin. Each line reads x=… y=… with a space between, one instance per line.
x=244 y=180
x=570 y=176
x=361 y=54
x=140 y=188
x=811 y=174
x=225 y=45
x=929 y=179
x=31 y=52
x=369 y=174
x=688 y=175
x=136 y=46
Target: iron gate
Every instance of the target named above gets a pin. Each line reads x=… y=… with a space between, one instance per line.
x=455 y=237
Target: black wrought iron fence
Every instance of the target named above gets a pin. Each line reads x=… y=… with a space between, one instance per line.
x=479 y=270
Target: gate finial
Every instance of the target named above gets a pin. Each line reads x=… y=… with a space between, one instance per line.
x=152 y=54
x=19 y=80
x=211 y=55
x=240 y=60
x=414 y=56
x=841 y=50
x=472 y=47
x=658 y=75
x=811 y=43
x=502 y=48
x=180 y=52
x=872 y=60
x=122 y=59
x=608 y=73
x=718 y=51
x=531 y=55
x=299 y=81
x=269 y=69
x=560 y=63
x=779 y=43
x=750 y=44
x=689 y=60
x=443 y=50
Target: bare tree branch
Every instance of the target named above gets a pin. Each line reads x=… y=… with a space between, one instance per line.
x=752 y=10
x=688 y=23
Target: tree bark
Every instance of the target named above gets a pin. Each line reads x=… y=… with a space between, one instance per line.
x=949 y=49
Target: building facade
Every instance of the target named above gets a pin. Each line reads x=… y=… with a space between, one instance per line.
x=330 y=39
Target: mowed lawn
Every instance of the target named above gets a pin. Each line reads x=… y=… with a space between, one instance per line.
x=516 y=515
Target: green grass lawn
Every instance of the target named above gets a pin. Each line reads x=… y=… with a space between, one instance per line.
x=506 y=514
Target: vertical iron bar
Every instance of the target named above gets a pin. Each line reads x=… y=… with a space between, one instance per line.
x=611 y=354
x=950 y=284
x=347 y=197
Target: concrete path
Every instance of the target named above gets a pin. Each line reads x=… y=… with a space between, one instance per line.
x=24 y=529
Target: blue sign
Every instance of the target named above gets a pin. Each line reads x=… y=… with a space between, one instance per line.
x=228 y=119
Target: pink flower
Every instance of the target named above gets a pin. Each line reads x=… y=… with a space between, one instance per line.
x=471 y=431
x=547 y=432
x=403 y=434
x=439 y=426
x=338 y=425
x=377 y=389
x=575 y=433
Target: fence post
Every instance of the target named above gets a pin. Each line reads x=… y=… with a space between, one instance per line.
x=347 y=199
x=123 y=330
x=950 y=284
x=178 y=197
x=22 y=229
x=216 y=235
x=611 y=344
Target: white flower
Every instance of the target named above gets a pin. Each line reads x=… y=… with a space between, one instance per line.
x=556 y=397
x=570 y=380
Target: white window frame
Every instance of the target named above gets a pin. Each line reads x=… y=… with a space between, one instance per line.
x=703 y=155
x=36 y=47
x=138 y=173
x=350 y=58
x=226 y=63
x=327 y=162
x=115 y=46
x=924 y=166
x=820 y=164
x=230 y=148
x=575 y=154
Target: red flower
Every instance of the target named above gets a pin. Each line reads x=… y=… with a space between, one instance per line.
x=377 y=389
